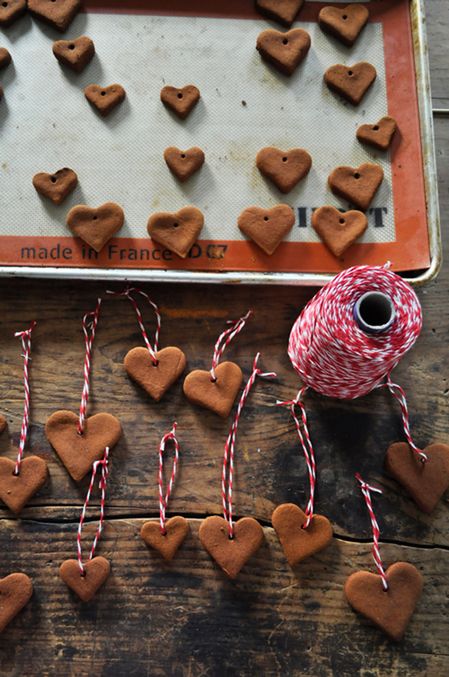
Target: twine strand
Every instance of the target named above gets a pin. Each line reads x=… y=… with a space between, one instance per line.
x=25 y=337
x=225 y=339
x=102 y=486
x=163 y=499
x=366 y=489
x=90 y=323
x=128 y=293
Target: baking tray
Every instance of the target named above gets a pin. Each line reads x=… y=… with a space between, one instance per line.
x=144 y=44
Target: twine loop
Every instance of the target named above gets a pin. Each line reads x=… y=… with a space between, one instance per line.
x=90 y=323
x=366 y=490
x=128 y=293
x=102 y=486
x=25 y=337
x=163 y=499
x=225 y=339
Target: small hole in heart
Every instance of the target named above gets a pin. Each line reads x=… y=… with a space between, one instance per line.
x=175 y=225
x=155 y=364
x=163 y=532
x=71 y=46
x=284 y=159
x=53 y=179
x=14 y=473
x=342 y=221
x=103 y=93
x=265 y=218
x=183 y=155
x=285 y=41
x=376 y=128
x=213 y=379
x=231 y=538
x=356 y=175
x=179 y=95
x=95 y=217
x=82 y=573
x=4 y=4
x=344 y=17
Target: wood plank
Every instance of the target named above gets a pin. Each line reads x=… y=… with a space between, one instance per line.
x=437 y=32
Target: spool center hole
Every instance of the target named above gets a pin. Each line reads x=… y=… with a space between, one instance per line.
x=375 y=310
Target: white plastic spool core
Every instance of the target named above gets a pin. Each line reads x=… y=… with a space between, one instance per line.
x=374 y=312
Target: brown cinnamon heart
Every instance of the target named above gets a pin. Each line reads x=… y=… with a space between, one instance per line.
x=181 y=100
x=285 y=168
x=57 y=186
x=15 y=593
x=78 y=452
x=10 y=10
x=357 y=184
x=96 y=225
x=344 y=23
x=183 y=163
x=155 y=379
x=284 y=50
x=5 y=57
x=57 y=13
x=16 y=490
x=96 y=572
x=104 y=99
x=283 y=11
x=75 y=53
x=176 y=530
x=267 y=227
x=231 y=554
x=425 y=482
x=351 y=82
x=3 y=423
x=178 y=231
x=218 y=395
x=338 y=230
x=379 y=135
x=392 y=609
x=297 y=542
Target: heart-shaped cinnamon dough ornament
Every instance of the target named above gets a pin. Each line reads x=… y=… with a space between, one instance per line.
x=78 y=452
x=15 y=592
x=167 y=544
x=5 y=57
x=181 y=100
x=231 y=554
x=104 y=99
x=284 y=50
x=96 y=225
x=379 y=135
x=56 y=13
x=338 y=230
x=218 y=395
x=267 y=227
x=178 y=231
x=10 y=10
x=57 y=186
x=344 y=23
x=351 y=82
x=297 y=542
x=75 y=53
x=425 y=482
x=155 y=379
x=283 y=11
x=184 y=163
x=16 y=490
x=96 y=571
x=285 y=168
x=392 y=609
x=357 y=184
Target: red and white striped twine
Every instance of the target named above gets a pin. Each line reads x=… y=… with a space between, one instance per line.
x=26 y=348
x=90 y=322
x=102 y=486
x=366 y=489
x=307 y=447
x=229 y=449
x=336 y=358
x=225 y=339
x=128 y=292
x=163 y=499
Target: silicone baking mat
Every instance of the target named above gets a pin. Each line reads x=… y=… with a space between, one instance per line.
x=46 y=123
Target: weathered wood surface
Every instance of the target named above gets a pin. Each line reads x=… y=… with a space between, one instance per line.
x=186 y=618
x=437 y=32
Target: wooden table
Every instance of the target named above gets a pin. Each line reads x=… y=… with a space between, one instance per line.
x=186 y=618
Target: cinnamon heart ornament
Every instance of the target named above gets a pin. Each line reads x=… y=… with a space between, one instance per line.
x=338 y=230
x=181 y=100
x=358 y=185
x=285 y=168
x=379 y=135
x=184 y=163
x=392 y=609
x=231 y=554
x=97 y=225
x=167 y=544
x=5 y=57
x=344 y=23
x=299 y=542
x=283 y=11
x=217 y=395
x=351 y=82
x=10 y=10
x=74 y=54
x=155 y=379
x=16 y=490
x=96 y=571
x=15 y=592
x=284 y=50
x=78 y=452
x=267 y=227
x=57 y=186
x=177 y=231
x=105 y=99
x=425 y=482
x=56 y=13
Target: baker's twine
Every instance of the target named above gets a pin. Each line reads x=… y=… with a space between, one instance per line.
x=102 y=485
x=163 y=497
x=25 y=337
x=366 y=490
x=128 y=293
